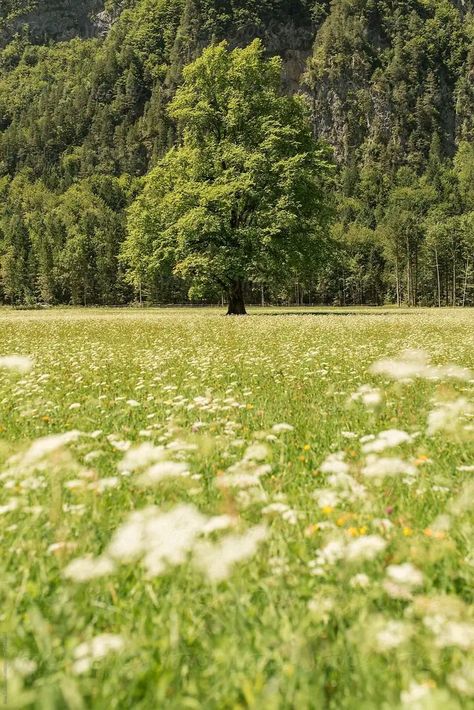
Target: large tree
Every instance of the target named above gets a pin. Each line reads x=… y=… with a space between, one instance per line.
x=245 y=194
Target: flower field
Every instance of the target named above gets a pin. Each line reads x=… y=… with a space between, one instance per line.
x=265 y=512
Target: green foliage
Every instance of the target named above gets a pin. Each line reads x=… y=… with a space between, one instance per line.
x=390 y=85
x=245 y=193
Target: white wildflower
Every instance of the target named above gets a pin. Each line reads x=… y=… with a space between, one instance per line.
x=9 y=507
x=23 y=666
x=140 y=457
x=462 y=681
x=282 y=428
x=455 y=633
x=61 y=546
x=119 y=444
x=366 y=547
x=103 y=484
x=164 y=470
x=100 y=646
x=46 y=446
x=448 y=416
x=380 y=467
x=256 y=452
x=160 y=539
x=406 y=574
x=417 y=693
x=16 y=363
x=326 y=498
x=371 y=397
x=287 y=513
x=359 y=581
x=84 y=569
x=331 y=553
x=401 y=580
x=334 y=463
x=387 y=440
x=218 y=522
x=416 y=363
x=216 y=560
x=392 y=635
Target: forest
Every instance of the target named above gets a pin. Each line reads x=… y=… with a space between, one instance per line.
x=94 y=123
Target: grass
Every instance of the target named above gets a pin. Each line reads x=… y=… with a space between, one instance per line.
x=295 y=623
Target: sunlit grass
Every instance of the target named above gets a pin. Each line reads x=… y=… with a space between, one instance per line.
x=294 y=623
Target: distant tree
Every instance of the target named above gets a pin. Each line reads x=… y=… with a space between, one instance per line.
x=245 y=194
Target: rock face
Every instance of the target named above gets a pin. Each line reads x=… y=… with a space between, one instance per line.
x=47 y=20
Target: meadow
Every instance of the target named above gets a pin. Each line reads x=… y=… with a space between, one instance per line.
x=263 y=512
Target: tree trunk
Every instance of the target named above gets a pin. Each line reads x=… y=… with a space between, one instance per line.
x=236 y=300
x=397 y=282
x=454 y=281
x=465 y=284
x=438 y=280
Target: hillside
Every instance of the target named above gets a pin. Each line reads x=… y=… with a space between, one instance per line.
x=84 y=90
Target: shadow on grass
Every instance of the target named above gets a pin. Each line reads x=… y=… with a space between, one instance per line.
x=271 y=314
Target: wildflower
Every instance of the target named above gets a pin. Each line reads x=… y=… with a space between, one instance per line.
x=331 y=553
x=366 y=547
x=415 y=363
x=16 y=363
x=84 y=569
x=334 y=463
x=401 y=580
x=359 y=581
x=23 y=666
x=61 y=546
x=160 y=539
x=371 y=397
x=447 y=416
x=455 y=633
x=118 y=443
x=46 y=446
x=321 y=608
x=392 y=635
x=163 y=470
x=326 y=498
x=278 y=565
x=87 y=653
x=462 y=681
x=405 y=574
x=387 y=440
x=140 y=457
x=218 y=522
x=217 y=560
x=282 y=428
x=9 y=507
x=416 y=696
x=103 y=484
x=379 y=467
x=256 y=452
x=289 y=515
x=74 y=405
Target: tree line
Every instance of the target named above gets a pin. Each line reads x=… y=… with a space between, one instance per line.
x=118 y=185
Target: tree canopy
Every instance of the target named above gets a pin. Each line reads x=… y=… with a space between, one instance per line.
x=245 y=195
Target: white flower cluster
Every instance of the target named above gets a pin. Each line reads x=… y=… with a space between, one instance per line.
x=364 y=548
x=416 y=364
x=160 y=540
